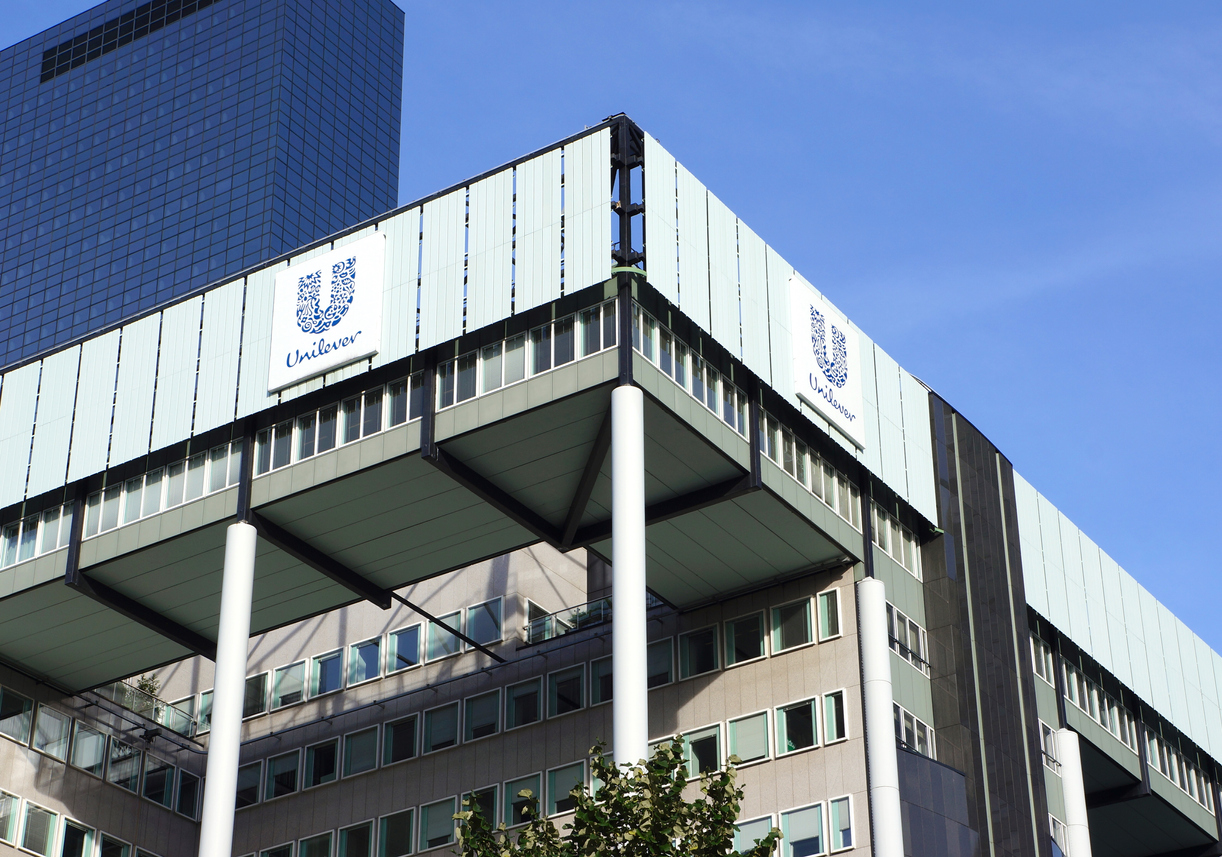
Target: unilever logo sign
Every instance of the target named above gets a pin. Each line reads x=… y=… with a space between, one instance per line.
x=827 y=361
x=327 y=312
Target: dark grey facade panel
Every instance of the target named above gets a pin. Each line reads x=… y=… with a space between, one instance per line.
x=934 y=803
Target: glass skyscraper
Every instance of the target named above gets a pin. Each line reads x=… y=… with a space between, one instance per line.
x=150 y=148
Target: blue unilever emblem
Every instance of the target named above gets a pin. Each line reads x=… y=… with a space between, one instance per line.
x=313 y=318
x=835 y=368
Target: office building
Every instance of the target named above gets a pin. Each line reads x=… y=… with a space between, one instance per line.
x=376 y=486
x=150 y=148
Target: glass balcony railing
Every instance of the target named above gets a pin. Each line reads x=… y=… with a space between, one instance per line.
x=149 y=707
x=568 y=620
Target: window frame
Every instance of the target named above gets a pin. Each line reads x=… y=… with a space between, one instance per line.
x=329 y=834
x=267 y=775
x=832 y=847
x=591 y=678
x=352 y=654
x=833 y=590
x=466 y=716
x=823 y=700
x=278 y=674
x=410 y=811
x=672 y=671
x=717 y=637
x=495 y=788
x=67 y=738
x=548 y=808
x=786 y=840
x=764 y=639
x=23 y=828
x=392 y=635
x=416 y=719
x=428 y=638
x=344 y=772
x=507 y=797
x=580 y=669
x=815 y=703
x=500 y=624
x=699 y=734
x=424 y=727
x=775 y=627
x=373 y=834
x=306 y=767
x=540 y=708
x=421 y=827
x=769 y=739
x=312 y=674
x=257 y=764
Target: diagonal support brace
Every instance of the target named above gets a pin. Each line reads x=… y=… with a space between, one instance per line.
x=594 y=465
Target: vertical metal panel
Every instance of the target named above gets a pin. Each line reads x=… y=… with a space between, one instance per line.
x=441 y=269
x=399 y=298
x=53 y=427
x=310 y=384
x=95 y=397
x=1160 y=692
x=490 y=265
x=1136 y=635
x=537 y=279
x=587 y=211
x=693 y=229
x=257 y=342
x=219 y=347
x=1030 y=547
x=18 y=399
x=918 y=447
x=1176 y=691
x=1050 y=542
x=724 y=313
x=871 y=456
x=890 y=421
x=175 y=401
x=1205 y=670
x=753 y=284
x=661 y=239
x=1096 y=606
x=1075 y=590
x=1113 y=596
x=780 y=342
x=134 y=390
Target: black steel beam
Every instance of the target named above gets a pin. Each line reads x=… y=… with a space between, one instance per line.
x=1120 y=794
x=673 y=508
x=457 y=633
x=589 y=476
x=304 y=552
x=1213 y=849
x=246 y=468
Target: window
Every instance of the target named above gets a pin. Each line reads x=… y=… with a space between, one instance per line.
x=485 y=801
x=1059 y=833
x=1048 y=744
x=360 y=751
x=289 y=685
x=51 y=733
x=520 y=795
x=112 y=847
x=1042 y=660
x=840 y=823
x=315 y=846
x=749 y=737
x=833 y=717
x=124 y=767
x=285 y=850
x=437 y=824
x=89 y=749
x=399 y=740
x=912 y=733
x=188 y=794
x=660 y=660
x=365 y=661
x=356 y=841
x=482 y=716
x=205 y=711
x=395 y=834
x=442 y=642
x=254 y=700
x=702 y=751
x=522 y=704
x=697 y=652
x=326 y=674
x=602 y=684
x=908 y=639
x=829 y=614
x=562 y=781
x=484 y=622
x=248 y=784
x=404 y=649
x=745 y=639
x=38 y=832
x=802 y=831
x=322 y=763
x=790 y=626
x=441 y=727
x=158 y=781
x=77 y=840
x=10 y=806
x=564 y=691
x=281 y=775
x=747 y=833
x=16 y=712
x=797 y=726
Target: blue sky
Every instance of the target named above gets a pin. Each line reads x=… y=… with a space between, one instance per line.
x=1021 y=203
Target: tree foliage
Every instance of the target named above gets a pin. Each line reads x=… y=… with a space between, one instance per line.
x=638 y=811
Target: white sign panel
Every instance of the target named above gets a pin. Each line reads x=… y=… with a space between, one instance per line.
x=826 y=361
x=327 y=312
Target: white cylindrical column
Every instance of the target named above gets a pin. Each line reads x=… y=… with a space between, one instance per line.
x=228 y=689
x=630 y=671
x=1077 y=824
x=886 y=822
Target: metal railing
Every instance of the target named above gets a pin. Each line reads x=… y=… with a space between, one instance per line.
x=149 y=707
x=568 y=620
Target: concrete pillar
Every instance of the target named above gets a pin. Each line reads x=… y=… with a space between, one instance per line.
x=886 y=823
x=630 y=675
x=228 y=690
x=1077 y=824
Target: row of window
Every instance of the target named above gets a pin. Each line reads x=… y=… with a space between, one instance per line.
x=35 y=535
x=544 y=348
x=896 y=540
x=687 y=369
x=803 y=725
x=908 y=639
x=360 y=662
x=117 y=762
x=1100 y=706
x=912 y=733
x=41 y=831
x=821 y=828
